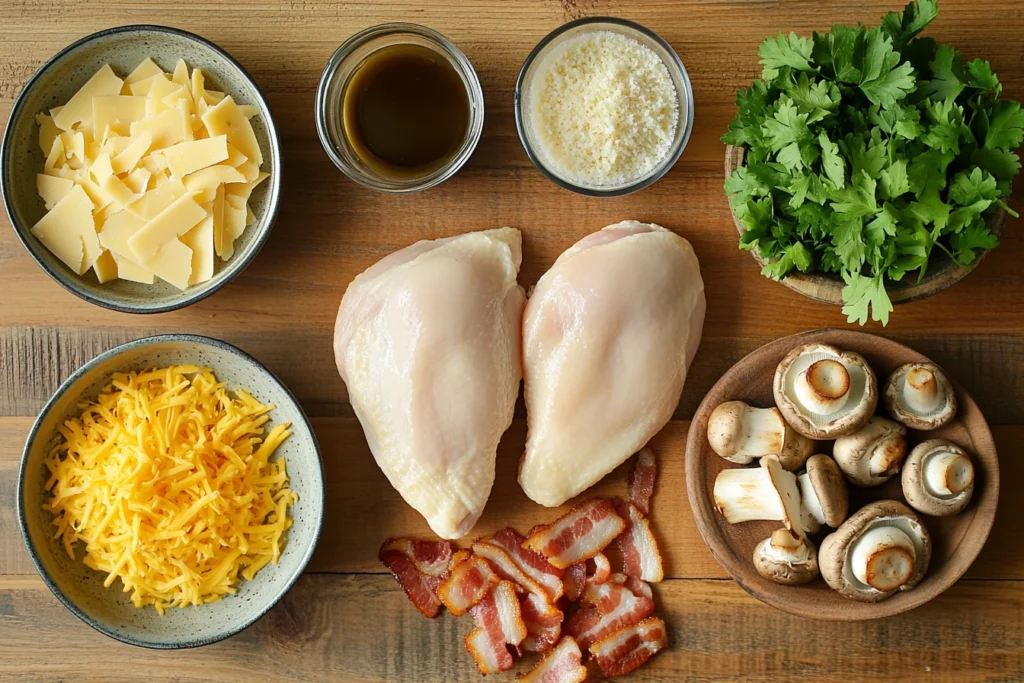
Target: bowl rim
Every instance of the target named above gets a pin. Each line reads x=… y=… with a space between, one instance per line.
x=22 y=475
x=234 y=268
x=687 y=108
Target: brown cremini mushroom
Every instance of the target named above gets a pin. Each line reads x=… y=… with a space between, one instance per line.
x=920 y=396
x=873 y=454
x=766 y=493
x=823 y=491
x=882 y=548
x=938 y=478
x=740 y=433
x=786 y=558
x=824 y=392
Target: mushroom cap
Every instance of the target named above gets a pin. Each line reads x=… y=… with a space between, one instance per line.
x=863 y=392
x=830 y=488
x=796 y=447
x=915 y=485
x=740 y=433
x=834 y=555
x=880 y=436
x=725 y=431
x=791 y=562
x=902 y=412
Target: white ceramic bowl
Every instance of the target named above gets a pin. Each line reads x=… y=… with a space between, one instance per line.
x=109 y=610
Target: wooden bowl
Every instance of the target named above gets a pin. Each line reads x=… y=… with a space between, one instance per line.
x=942 y=272
x=957 y=540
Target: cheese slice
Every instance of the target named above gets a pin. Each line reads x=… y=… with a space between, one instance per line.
x=218 y=222
x=127 y=270
x=181 y=74
x=68 y=230
x=198 y=87
x=48 y=132
x=115 y=233
x=248 y=110
x=172 y=263
x=96 y=193
x=142 y=87
x=200 y=240
x=101 y=168
x=189 y=157
x=167 y=128
x=244 y=190
x=147 y=68
x=225 y=118
x=56 y=156
x=153 y=202
x=116 y=111
x=177 y=219
x=250 y=171
x=105 y=267
x=235 y=158
x=74 y=146
x=129 y=158
x=234 y=225
x=52 y=189
x=120 y=195
x=159 y=91
x=212 y=176
x=138 y=180
x=79 y=108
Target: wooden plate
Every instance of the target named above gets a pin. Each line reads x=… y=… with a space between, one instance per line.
x=942 y=272
x=956 y=540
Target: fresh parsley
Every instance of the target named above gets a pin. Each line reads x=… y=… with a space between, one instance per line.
x=867 y=149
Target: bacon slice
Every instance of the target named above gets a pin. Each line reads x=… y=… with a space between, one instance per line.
x=459 y=556
x=561 y=665
x=543 y=623
x=499 y=623
x=615 y=604
x=506 y=568
x=467 y=585
x=640 y=480
x=574 y=579
x=623 y=651
x=419 y=567
x=579 y=534
x=531 y=563
x=640 y=555
x=602 y=569
x=490 y=656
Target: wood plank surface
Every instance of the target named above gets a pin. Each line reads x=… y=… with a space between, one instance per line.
x=348 y=621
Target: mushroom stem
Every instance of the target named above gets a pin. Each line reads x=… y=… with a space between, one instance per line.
x=784 y=541
x=921 y=391
x=744 y=495
x=947 y=473
x=824 y=386
x=883 y=558
x=886 y=456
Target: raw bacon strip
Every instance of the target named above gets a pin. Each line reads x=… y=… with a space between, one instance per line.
x=490 y=656
x=506 y=568
x=640 y=555
x=641 y=480
x=467 y=585
x=615 y=604
x=602 y=569
x=578 y=535
x=419 y=567
x=625 y=650
x=459 y=556
x=574 y=579
x=533 y=564
x=561 y=665
x=543 y=623
x=499 y=623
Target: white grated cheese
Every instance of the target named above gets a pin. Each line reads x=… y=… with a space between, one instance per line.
x=603 y=110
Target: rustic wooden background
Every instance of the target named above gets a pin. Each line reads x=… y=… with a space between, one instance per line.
x=348 y=620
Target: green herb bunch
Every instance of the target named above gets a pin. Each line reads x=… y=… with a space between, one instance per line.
x=866 y=150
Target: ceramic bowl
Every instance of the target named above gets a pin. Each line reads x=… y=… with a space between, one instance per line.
x=109 y=610
x=956 y=540
x=60 y=78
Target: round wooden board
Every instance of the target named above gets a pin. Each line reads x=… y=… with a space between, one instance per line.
x=956 y=540
x=942 y=271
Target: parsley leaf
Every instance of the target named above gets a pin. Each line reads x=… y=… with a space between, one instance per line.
x=1006 y=126
x=796 y=256
x=976 y=237
x=858 y=200
x=860 y=294
x=947 y=80
x=831 y=162
x=916 y=16
x=780 y=51
x=979 y=75
x=894 y=180
x=836 y=50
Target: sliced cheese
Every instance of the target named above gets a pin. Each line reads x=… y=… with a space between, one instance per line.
x=244 y=190
x=212 y=176
x=225 y=118
x=181 y=74
x=147 y=68
x=218 y=222
x=177 y=219
x=234 y=225
x=101 y=168
x=235 y=158
x=200 y=240
x=48 y=132
x=117 y=112
x=248 y=110
x=138 y=180
x=79 y=108
x=105 y=267
x=116 y=231
x=172 y=263
x=127 y=270
x=153 y=202
x=189 y=157
x=120 y=195
x=56 y=157
x=52 y=189
x=69 y=232
x=129 y=158
x=167 y=128
x=142 y=87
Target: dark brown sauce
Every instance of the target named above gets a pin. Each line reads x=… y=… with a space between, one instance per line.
x=405 y=111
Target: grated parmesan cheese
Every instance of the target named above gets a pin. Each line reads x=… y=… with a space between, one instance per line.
x=603 y=109
x=168 y=481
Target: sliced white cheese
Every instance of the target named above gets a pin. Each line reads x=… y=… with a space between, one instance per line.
x=225 y=118
x=212 y=176
x=189 y=157
x=147 y=68
x=68 y=230
x=105 y=267
x=127 y=270
x=79 y=108
x=117 y=112
x=52 y=189
x=172 y=263
x=167 y=128
x=153 y=202
x=177 y=219
x=200 y=240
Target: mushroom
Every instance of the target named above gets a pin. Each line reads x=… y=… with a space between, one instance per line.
x=767 y=492
x=739 y=433
x=823 y=491
x=873 y=454
x=938 y=478
x=920 y=396
x=881 y=549
x=786 y=558
x=824 y=392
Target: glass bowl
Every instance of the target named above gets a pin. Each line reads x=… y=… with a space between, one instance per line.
x=646 y=37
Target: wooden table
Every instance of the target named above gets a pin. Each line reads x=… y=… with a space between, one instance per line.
x=347 y=619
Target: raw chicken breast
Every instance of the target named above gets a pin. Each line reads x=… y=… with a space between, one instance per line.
x=428 y=343
x=608 y=336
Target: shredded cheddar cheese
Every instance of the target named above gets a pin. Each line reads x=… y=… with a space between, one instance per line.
x=167 y=479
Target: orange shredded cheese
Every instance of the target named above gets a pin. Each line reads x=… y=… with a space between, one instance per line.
x=168 y=480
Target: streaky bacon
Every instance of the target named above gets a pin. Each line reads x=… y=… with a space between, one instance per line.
x=459 y=556
x=499 y=623
x=573 y=580
x=419 y=567
x=623 y=651
x=619 y=602
x=506 y=568
x=561 y=665
x=640 y=555
x=579 y=534
x=543 y=623
x=640 y=480
x=490 y=656
x=467 y=585
x=530 y=562
x=602 y=569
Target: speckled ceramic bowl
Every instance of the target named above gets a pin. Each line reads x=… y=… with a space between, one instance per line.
x=109 y=610
x=60 y=78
